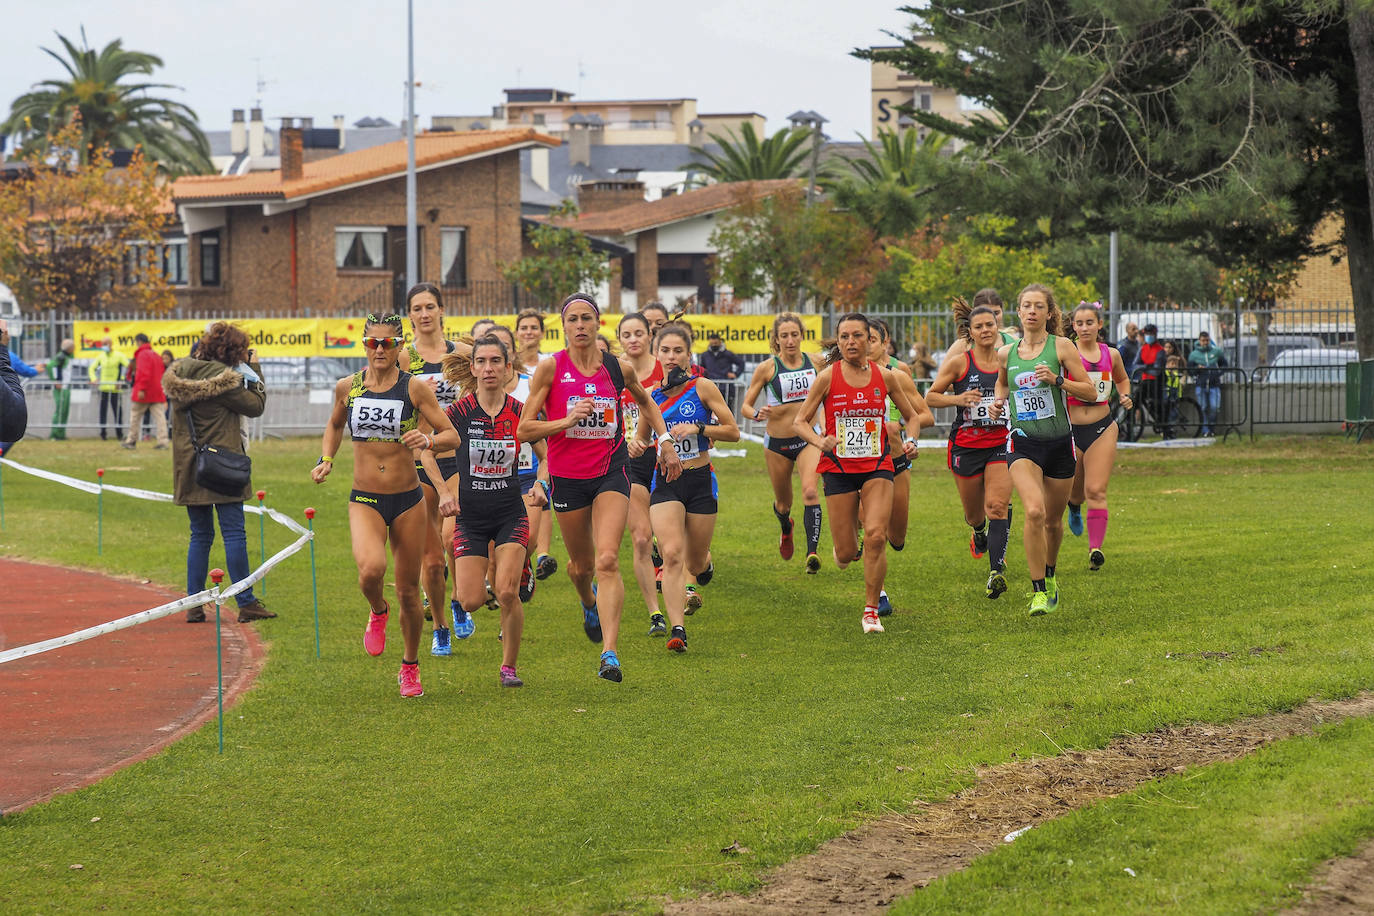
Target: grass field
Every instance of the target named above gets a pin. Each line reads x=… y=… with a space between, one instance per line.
x=782 y=727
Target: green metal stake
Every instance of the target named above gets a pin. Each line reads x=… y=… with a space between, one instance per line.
x=100 y=512
x=262 y=541
x=314 y=586
x=217 y=576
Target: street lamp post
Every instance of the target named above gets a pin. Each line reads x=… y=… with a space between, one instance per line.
x=812 y=121
x=412 y=232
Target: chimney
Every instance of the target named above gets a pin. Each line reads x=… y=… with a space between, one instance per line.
x=539 y=166
x=292 y=154
x=339 y=126
x=579 y=144
x=598 y=196
x=308 y=123
x=238 y=133
x=257 y=135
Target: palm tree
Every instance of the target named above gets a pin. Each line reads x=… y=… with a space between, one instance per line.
x=886 y=188
x=114 y=114
x=744 y=157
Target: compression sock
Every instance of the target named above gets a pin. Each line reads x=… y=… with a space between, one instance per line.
x=981 y=526
x=1049 y=571
x=999 y=532
x=1037 y=585
x=784 y=519
x=1097 y=527
x=812 y=517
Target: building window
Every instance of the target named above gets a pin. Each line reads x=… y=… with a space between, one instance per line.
x=453 y=255
x=360 y=247
x=175 y=265
x=209 y=259
x=170 y=257
x=925 y=101
x=627 y=271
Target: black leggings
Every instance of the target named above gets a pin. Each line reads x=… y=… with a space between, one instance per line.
x=114 y=401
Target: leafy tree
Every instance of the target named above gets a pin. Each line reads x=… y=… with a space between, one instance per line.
x=744 y=157
x=779 y=247
x=564 y=261
x=1148 y=270
x=977 y=259
x=889 y=188
x=116 y=110
x=73 y=228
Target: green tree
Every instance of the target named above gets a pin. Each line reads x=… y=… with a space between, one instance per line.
x=890 y=188
x=744 y=157
x=977 y=259
x=1162 y=270
x=563 y=262
x=115 y=108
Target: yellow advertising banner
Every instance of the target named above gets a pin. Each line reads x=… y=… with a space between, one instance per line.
x=746 y=335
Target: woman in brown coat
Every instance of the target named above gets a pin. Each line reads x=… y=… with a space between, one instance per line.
x=217 y=387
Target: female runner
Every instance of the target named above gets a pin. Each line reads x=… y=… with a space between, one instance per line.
x=787 y=378
x=579 y=392
x=425 y=308
x=977 y=442
x=380 y=407
x=1094 y=430
x=637 y=346
x=530 y=463
x=491 y=516
x=684 y=510
x=856 y=457
x=879 y=339
x=988 y=297
x=1036 y=373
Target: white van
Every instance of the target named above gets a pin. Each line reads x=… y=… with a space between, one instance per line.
x=1172 y=324
x=9 y=311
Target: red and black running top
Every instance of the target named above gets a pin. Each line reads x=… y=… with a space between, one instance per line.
x=857 y=417
x=974 y=426
x=488 y=457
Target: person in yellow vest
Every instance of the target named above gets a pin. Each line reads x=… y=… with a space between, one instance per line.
x=107 y=371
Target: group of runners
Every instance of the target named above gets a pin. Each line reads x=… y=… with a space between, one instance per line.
x=460 y=447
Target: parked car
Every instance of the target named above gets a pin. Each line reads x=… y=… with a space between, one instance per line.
x=1278 y=344
x=306 y=371
x=9 y=311
x=1172 y=324
x=1322 y=365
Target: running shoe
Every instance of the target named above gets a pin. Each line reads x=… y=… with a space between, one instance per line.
x=610 y=667
x=463 y=623
x=860 y=554
x=677 y=642
x=527 y=582
x=374 y=637
x=591 y=622
x=509 y=678
x=1040 y=604
x=1096 y=558
x=441 y=645
x=813 y=563
x=978 y=544
x=785 y=543
x=657 y=625
x=997 y=584
x=704 y=577
x=884 y=605
x=1052 y=589
x=871 y=623
x=492 y=603
x=545 y=566
x=1076 y=519
x=693 y=601
x=409 y=679
x=655 y=555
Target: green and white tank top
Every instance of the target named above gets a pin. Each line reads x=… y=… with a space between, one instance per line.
x=1037 y=408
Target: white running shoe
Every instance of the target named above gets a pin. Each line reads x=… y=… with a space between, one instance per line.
x=871 y=622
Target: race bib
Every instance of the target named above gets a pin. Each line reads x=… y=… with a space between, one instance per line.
x=491 y=458
x=1034 y=404
x=376 y=418
x=600 y=424
x=631 y=411
x=526 y=460
x=1103 y=382
x=688 y=448
x=980 y=414
x=796 y=384
x=445 y=391
x=860 y=437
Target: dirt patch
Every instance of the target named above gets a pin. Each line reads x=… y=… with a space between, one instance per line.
x=865 y=871
x=1345 y=887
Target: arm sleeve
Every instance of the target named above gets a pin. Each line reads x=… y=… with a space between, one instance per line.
x=14 y=410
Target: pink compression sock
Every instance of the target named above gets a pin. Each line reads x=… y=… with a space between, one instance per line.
x=1097 y=527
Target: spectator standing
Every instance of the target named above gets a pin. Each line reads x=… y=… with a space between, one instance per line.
x=719 y=364
x=1205 y=361
x=24 y=370
x=14 y=410
x=1150 y=361
x=1129 y=346
x=106 y=371
x=146 y=395
x=59 y=371
x=167 y=360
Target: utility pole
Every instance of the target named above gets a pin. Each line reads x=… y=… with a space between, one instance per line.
x=813 y=121
x=412 y=232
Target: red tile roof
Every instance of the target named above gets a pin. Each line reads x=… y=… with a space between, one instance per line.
x=637 y=217
x=369 y=164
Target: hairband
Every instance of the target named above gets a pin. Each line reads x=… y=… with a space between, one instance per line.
x=578 y=297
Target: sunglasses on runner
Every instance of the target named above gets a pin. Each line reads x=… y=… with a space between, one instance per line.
x=385 y=343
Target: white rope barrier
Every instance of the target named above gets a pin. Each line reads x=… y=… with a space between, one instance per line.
x=164 y=610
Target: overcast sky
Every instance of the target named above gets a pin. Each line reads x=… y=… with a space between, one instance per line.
x=320 y=58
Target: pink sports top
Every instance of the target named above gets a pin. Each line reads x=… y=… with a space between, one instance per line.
x=1099 y=373
x=596 y=445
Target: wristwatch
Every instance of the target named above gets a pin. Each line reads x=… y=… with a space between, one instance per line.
x=1059 y=380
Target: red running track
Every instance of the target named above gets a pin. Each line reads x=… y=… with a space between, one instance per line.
x=74 y=715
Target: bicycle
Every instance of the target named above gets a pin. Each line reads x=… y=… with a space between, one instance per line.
x=1182 y=419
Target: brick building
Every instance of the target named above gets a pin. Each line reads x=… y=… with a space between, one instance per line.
x=329 y=234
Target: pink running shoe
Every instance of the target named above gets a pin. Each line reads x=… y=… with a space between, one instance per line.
x=374 y=637
x=409 y=679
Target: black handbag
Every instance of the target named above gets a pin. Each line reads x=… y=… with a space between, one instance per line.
x=221 y=471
